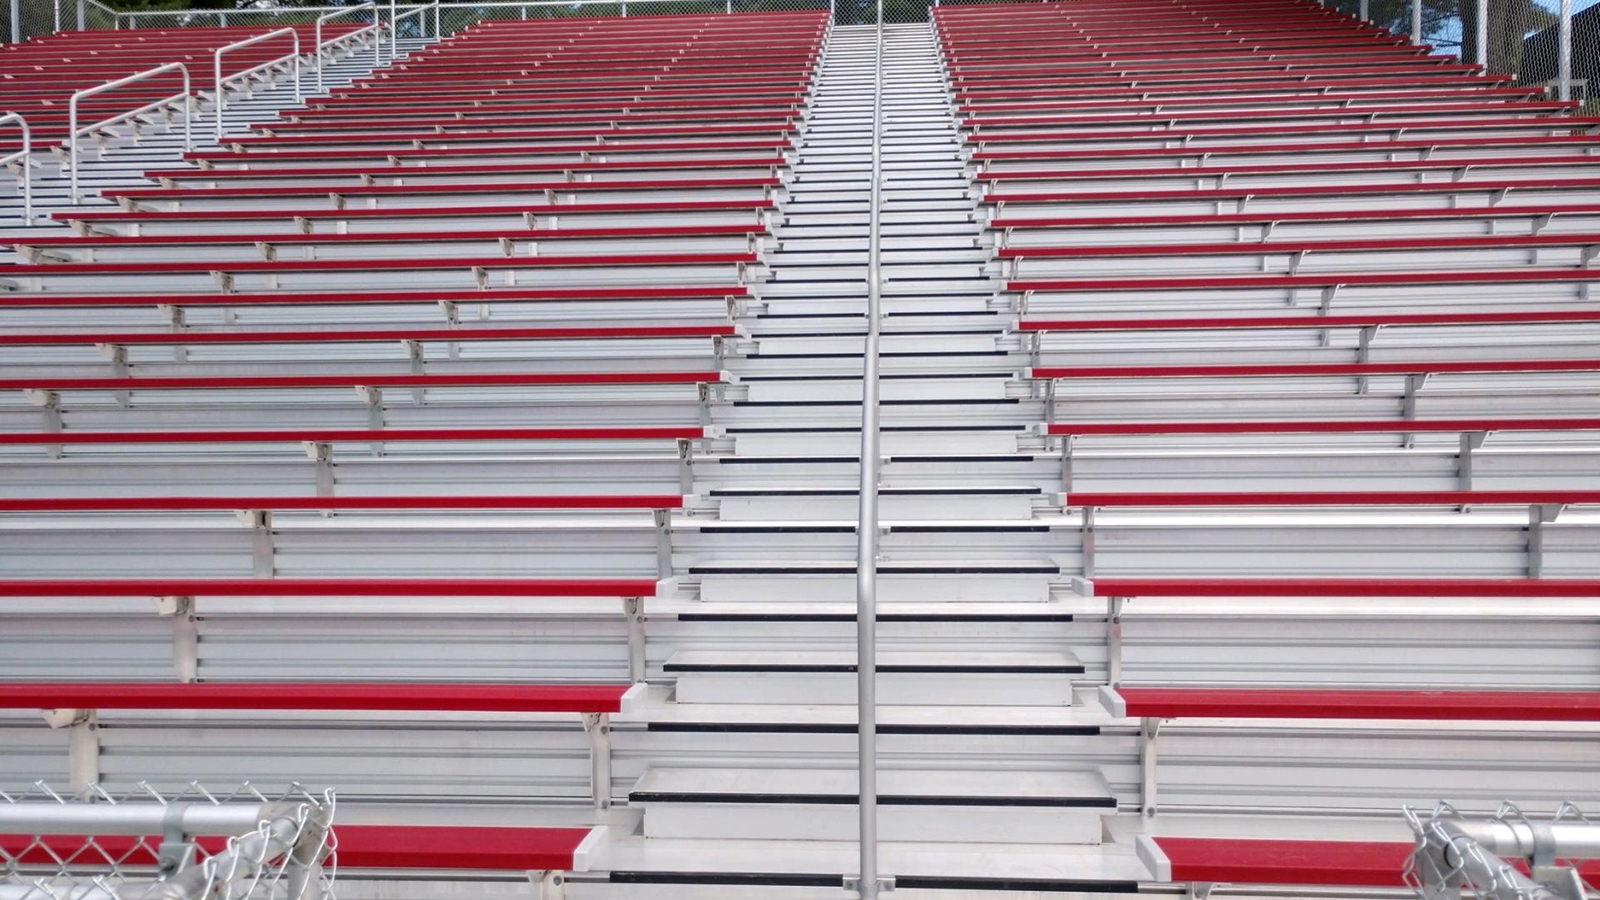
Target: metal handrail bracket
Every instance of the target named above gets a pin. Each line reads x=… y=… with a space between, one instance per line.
x=293 y=58
x=377 y=42
x=25 y=157
x=75 y=131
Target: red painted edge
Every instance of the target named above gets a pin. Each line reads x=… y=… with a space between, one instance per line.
x=352 y=696
x=1347 y=587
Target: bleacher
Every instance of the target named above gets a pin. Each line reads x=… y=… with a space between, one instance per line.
x=479 y=439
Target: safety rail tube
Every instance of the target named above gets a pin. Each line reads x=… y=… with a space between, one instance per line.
x=377 y=39
x=867 y=523
x=75 y=131
x=293 y=58
x=422 y=24
x=25 y=158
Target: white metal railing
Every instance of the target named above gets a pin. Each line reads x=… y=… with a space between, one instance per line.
x=25 y=158
x=868 y=885
x=75 y=131
x=293 y=58
x=376 y=26
x=395 y=16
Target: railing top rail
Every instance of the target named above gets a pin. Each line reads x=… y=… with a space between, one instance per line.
x=127 y=80
x=346 y=10
x=261 y=37
x=74 y=130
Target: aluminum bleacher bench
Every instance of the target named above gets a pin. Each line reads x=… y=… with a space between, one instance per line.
x=1497 y=188
x=130 y=198
x=1042 y=99
x=979 y=125
x=1197 y=136
x=425 y=140
x=445 y=298
x=529 y=214
x=366 y=174
x=281 y=382
x=179 y=599
x=322 y=444
x=77 y=705
x=1378 y=148
x=1291 y=370
x=1154 y=706
x=1460 y=165
x=1540 y=216
x=1472 y=434
x=472 y=144
x=334 y=336
x=1375 y=319
x=225 y=272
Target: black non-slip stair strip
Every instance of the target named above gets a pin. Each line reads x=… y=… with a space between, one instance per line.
x=902 y=882
x=883 y=569
x=851 y=728
x=1098 y=802
x=882 y=668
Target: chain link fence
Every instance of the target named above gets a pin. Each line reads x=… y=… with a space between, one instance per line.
x=1521 y=38
x=189 y=844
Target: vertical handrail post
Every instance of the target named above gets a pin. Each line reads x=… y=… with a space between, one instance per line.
x=1416 y=22
x=25 y=157
x=867 y=521
x=1564 y=52
x=1481 y=33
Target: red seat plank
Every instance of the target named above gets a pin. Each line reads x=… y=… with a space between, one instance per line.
x=350 y=696
x=358 y=435
x=1347 y=587
x=1322 y=703
x=1353 y=320
x=274 y=298
x=270 y=382
x=469 y=333
x=1137 y=499
x=1336 y=426
x=1287 y=370
x=328 y=587
x=375 y=503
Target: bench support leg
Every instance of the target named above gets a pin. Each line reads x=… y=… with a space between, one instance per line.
x=1470 y=442
x=633 y=609
x=185 y=635
x=663 y=522
x=552 y=885
x=1149 y=731
x=322 y=456
x=1114 y=607
x=83 y=744
x=685 y=467
x=598 y=726
x=1538 y=517
x=1088 y=542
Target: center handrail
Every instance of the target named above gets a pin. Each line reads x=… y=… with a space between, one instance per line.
x=25 y=156
x=394 y=24
x=293 y=58
x=377 y=42
x=867 y=523
x=74 y=131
